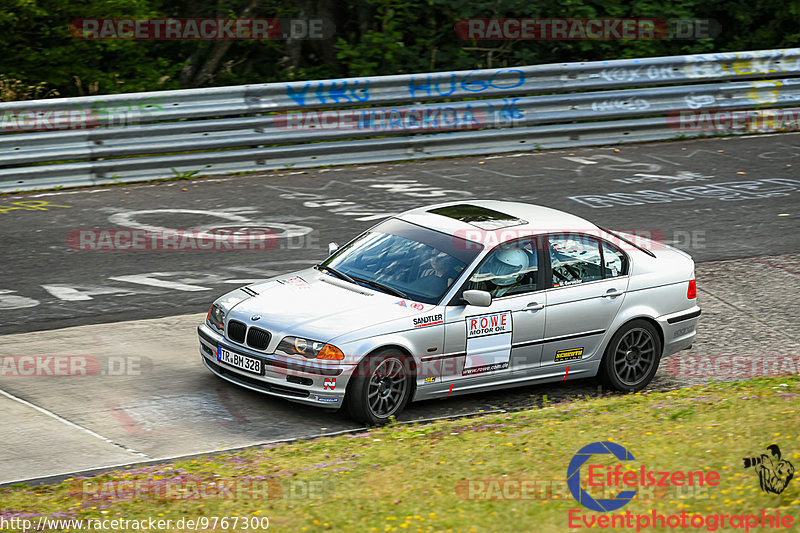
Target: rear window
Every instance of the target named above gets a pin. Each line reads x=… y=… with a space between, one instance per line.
x=615 y=262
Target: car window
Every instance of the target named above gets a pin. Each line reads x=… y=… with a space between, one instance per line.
x=510 y=269
x=574 y=259
x=616 y=262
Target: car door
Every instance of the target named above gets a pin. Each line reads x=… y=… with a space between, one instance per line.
x=588 y=278
x=502 y=340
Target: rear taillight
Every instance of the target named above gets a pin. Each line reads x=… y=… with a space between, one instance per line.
x=692 y=292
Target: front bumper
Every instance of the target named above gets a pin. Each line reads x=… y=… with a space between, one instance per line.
x=679 y=330
x=299 y=380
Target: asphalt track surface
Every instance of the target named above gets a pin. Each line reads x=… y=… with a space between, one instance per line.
x=731 y=202
x=746 y=217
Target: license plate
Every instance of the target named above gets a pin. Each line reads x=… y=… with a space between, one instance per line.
x=250 y=364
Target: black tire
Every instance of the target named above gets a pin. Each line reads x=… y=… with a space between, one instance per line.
x=380 y=387
x=632 y=357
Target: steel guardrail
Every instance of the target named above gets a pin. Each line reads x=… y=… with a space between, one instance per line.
x=143 y=136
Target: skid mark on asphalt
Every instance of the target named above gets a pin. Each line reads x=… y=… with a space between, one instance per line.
x=70 y=424
x=157 y=414
x=748 y=314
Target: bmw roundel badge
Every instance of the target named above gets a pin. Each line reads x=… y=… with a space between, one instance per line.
x=255 y=317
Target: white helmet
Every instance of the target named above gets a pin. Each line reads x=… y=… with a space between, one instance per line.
x=508 y=266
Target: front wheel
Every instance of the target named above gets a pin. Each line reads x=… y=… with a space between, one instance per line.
x=632 y=357
x=380 y=389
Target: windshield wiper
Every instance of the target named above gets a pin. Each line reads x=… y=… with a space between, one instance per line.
x=383 y=287
x=356 y=281
x=337 y=273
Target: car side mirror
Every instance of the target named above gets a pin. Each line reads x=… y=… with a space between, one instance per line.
x=477 y=298
x=332 y=248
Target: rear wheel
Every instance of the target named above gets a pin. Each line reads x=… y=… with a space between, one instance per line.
x=632 y=357
x=380 y=388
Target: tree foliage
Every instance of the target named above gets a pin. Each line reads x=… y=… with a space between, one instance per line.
x=41 y=57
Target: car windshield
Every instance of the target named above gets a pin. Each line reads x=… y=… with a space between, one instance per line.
x=406 y=260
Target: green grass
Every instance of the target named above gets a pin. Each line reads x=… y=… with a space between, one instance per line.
x=407 y=477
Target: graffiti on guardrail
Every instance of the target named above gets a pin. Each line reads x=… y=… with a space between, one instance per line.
x=740 y=64
x=506 y=113
x=696 y=101
x=476 y=81
x=437 y=84
x=621 y=104
x=700 y=66
x=473 y=108
x=328 y=92
x=633 y=74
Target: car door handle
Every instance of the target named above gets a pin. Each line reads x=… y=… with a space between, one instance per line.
x=534 y=306
x=611 y=293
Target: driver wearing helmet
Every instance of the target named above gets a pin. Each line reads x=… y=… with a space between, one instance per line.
x=502 y=272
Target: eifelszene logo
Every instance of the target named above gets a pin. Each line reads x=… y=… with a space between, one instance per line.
x=574 y=477
x=608 y=478
x=774 y=472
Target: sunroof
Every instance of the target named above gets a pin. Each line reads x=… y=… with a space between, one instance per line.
x=478 y=216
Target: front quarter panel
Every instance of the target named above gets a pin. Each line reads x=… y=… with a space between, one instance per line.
x=231 y=299
x=418 y=335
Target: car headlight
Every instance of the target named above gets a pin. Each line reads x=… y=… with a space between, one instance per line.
x=216 y=317
x=310 y=349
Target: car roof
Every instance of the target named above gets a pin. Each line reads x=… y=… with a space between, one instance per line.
x=504 y=219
